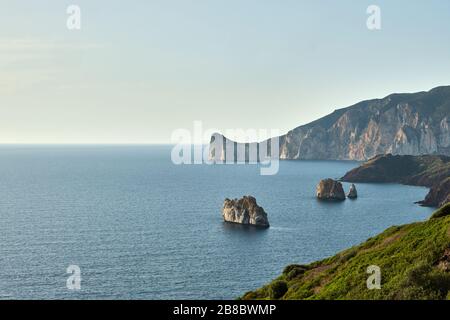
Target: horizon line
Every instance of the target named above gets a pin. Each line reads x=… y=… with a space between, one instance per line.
x=95 y=144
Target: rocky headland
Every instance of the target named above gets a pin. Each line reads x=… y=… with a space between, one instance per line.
x=428 y=170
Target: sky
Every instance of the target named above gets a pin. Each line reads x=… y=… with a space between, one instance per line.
x=137 y=71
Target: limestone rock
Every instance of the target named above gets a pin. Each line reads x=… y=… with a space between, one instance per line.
x=330 y=189
x=244 y=211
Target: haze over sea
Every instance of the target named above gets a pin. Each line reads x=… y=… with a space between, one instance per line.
x=140 y=227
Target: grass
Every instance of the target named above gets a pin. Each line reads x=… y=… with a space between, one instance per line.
x=408 y=257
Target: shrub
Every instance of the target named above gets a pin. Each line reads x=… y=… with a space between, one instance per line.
x=277 y=289
x=295 y=272
x=442 y=212
x=295 y=267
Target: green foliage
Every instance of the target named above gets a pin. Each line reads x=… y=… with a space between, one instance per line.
x=442 y=212
x=294 y=271
x=277 y=289
x=408 y=257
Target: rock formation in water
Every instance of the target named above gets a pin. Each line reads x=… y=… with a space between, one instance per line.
x=244 y=211
x=352 y=193
x=428 y=171
x=413 y=124
x=330 y=189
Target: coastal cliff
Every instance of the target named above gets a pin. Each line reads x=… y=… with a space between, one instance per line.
x=428 y=171
x=412 y=124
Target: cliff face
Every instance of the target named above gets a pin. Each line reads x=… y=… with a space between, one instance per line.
x=428 y=171
x=413 y=124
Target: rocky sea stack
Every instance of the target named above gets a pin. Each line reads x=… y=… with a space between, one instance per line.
x=244 y=211
x=329 y=189
x=352 y=193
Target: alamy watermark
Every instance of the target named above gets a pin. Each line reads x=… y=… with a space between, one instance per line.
x=374 y=280
x=223 y=149
x=374 y=20
x=74 y=19
x=74 y=280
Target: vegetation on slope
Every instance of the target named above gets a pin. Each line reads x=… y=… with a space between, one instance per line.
x=414 y=260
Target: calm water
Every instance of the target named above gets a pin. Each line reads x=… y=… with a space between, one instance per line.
x=142 y=228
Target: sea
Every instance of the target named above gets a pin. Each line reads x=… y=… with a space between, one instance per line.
x=128 y=223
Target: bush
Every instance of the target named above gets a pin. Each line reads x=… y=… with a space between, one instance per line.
x=295 y=271
x=442 y=212
x=277 y=289
x=251 y=295
x=291 y=267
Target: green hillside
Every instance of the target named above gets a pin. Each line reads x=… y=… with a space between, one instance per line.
x=414 y=260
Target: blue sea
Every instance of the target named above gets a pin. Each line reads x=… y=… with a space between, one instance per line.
x=140 y=227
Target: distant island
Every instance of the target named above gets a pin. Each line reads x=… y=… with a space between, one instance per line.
x=403 y=124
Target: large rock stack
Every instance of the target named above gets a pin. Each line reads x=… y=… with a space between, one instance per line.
x=244 y=211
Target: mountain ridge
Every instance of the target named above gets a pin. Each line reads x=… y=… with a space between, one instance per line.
x=400 y=123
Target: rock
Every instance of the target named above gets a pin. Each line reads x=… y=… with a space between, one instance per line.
x=439 y=194
x=444 y=261
x=244 y=211
x=352 y=193
x=330 y=189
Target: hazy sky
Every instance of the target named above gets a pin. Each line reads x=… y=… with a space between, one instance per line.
x=138 y=70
